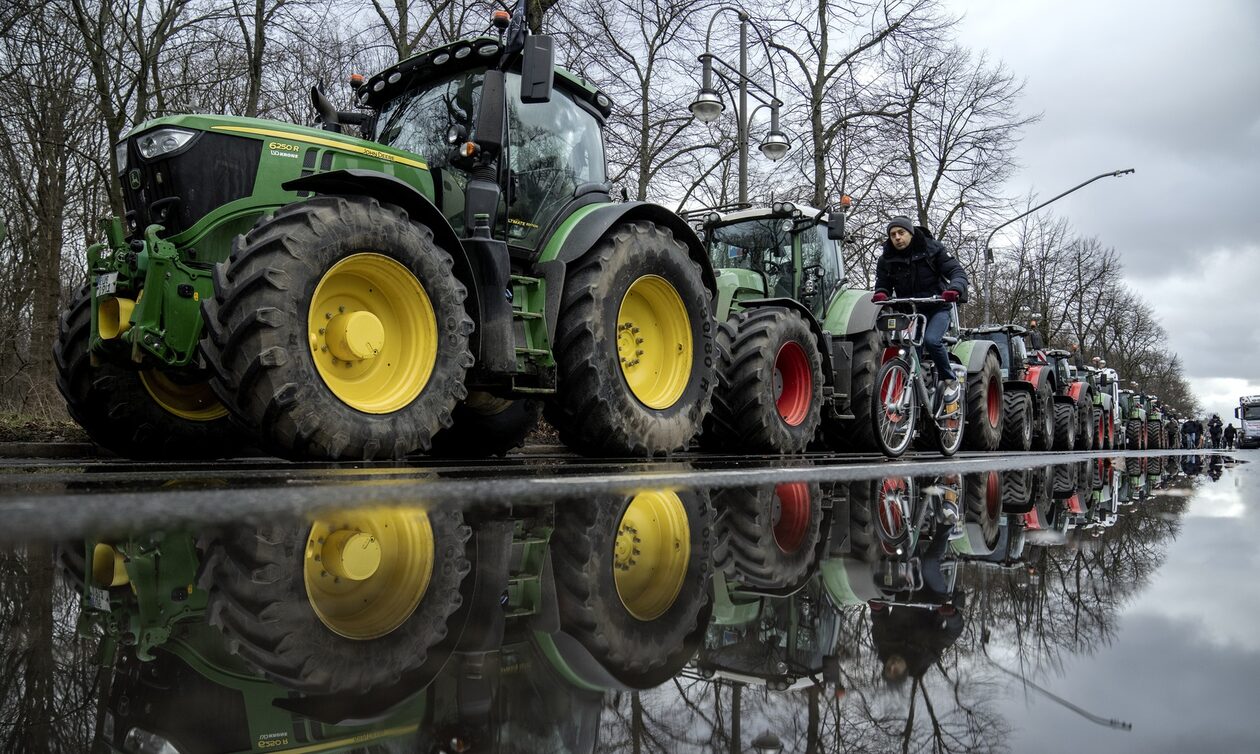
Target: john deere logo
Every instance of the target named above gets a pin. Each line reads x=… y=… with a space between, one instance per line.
x=134 y=178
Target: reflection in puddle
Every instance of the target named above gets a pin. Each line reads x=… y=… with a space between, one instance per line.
x=882 y=614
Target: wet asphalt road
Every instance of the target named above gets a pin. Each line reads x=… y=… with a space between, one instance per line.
x=66 y=497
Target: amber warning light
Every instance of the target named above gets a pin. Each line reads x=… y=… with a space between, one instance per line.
x=846 y=201
x=501 y=18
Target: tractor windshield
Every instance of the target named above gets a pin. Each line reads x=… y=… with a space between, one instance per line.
x=554 y=148
x=821 y=270
x=1003 y=344
x=420 y=121
x=763 y=246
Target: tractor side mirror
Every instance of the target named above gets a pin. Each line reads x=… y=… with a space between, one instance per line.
x=835 y=226
x=537 y=69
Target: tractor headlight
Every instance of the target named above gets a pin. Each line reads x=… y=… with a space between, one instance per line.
x=120 y=156
x=163 y=141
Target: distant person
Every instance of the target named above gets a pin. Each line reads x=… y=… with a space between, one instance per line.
x=1230 y=432
x=1078 y=360
x=1190 y=430
x=1214 y=429
x=915 y=265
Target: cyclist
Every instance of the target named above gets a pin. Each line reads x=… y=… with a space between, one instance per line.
x=915 y=265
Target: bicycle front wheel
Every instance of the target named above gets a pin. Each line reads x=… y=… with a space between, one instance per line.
x=895 y=409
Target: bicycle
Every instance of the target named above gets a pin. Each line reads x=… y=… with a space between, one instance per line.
x=902 y=388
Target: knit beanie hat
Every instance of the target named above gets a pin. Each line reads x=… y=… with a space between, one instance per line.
x=900 y=221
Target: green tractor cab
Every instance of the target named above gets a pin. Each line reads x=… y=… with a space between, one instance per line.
x=436 y=276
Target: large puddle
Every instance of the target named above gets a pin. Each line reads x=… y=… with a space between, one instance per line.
x=1098 y=605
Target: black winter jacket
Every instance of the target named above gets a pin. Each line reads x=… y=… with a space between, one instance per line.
x=925 y=268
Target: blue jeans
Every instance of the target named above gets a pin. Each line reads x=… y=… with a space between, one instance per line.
x=937 y=324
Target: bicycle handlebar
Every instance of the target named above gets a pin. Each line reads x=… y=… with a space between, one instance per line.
x=923 y=300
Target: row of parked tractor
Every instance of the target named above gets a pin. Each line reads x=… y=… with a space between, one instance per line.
x=413 y=277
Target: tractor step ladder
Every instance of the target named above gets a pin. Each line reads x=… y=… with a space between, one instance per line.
x=528 y=308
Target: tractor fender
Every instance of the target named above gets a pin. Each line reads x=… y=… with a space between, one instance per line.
x=1061 y=398
x=972 y=353
x=1037 y=374
x=583 y=229
x=824 y=347
x=390 y=190
x=851 y=313
x=1022 y=386
x=1074 y=390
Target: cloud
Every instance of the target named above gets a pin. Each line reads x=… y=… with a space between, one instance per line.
x=1169 y=92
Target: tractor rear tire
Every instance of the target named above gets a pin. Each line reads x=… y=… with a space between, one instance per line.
x=1133 y=434
x=1043 y=417
x=985 y=410
x=769 y=394
x=858 y=434
x=636 y=295
x=1017 y=422
x=484 y=426
x=147 y=415
x=632 y=577
x=1017 y=491
x=339 y=276
x=983 y=503
x=1085 y=426
x=282 y=612
x=1064 y=426
x=767 y=535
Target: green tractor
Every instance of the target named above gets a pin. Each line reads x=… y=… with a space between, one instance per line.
x=1133 y=412
x=798 y=346
x=431 y=280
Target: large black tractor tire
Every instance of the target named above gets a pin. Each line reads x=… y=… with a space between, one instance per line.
x=767 y=536
x=632 y=577
x=858 y=434
x=1017 y=422
x=1133 y=434
x=137 y=414
x=1086 y=427
x=1017 y=489
x=1043 y=417
x=985 y=414
x=1155 y=436
x=769 y=394
x=310 y=620
x=983 y=508
x=1064 y=426
x=484 y=426
x=633 y=346
x=348 y=277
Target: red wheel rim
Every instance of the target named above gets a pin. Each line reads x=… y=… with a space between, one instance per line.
x=792 y=519
x=993 y=496
x=994 y=401
x=792 y=368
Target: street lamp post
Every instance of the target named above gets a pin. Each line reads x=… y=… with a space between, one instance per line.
x=988 y=251
x=708 y=104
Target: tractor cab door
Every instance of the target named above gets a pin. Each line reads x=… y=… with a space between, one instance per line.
x=821 y=268
x=555 y=152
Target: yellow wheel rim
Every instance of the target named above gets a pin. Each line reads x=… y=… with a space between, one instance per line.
x=651 y=553
x=366 y=571
x=194 y=402
x=654 y=342
x=373 y=333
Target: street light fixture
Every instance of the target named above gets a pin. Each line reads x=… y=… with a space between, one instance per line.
x=988 y=250
x=708 y=104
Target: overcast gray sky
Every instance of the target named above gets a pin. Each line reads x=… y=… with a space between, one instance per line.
x=1173 y=90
